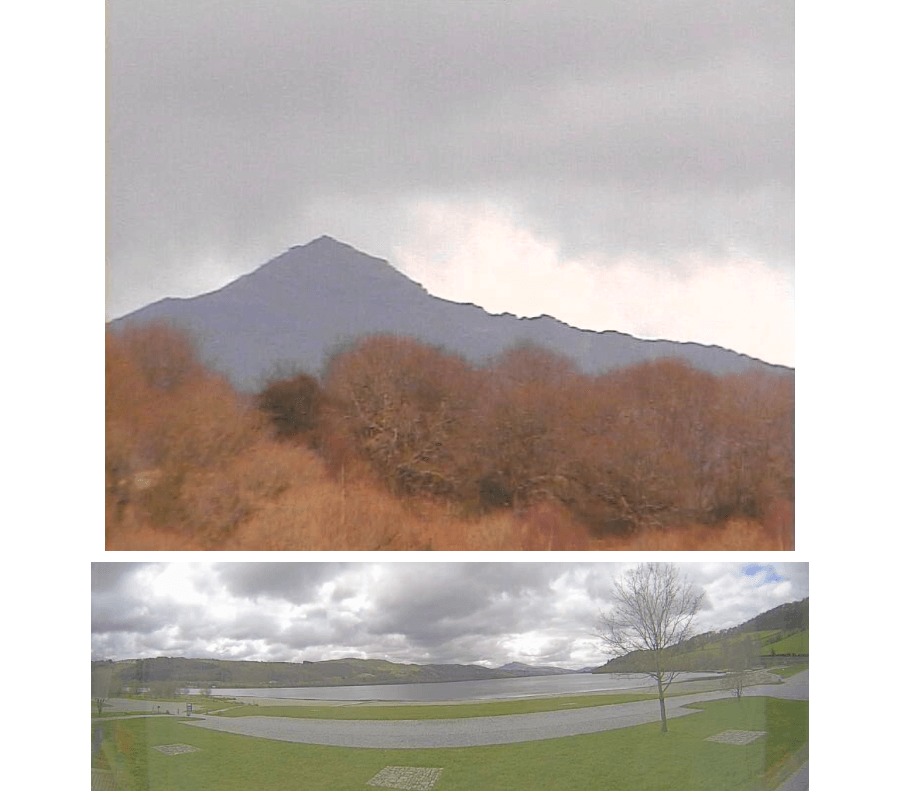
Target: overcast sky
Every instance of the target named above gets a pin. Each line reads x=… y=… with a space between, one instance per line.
x=472 y=613
x=625 y=164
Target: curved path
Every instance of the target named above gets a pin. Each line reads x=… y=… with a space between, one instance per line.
x=475 y=731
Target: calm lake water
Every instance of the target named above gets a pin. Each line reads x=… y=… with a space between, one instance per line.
x=494 y=689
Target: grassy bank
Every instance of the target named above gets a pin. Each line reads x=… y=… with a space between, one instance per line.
x=638 y=758
x=447 y=711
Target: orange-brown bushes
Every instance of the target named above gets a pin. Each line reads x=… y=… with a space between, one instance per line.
x=519 y=441
x=407 y=447
x=163 y=357
x=656 y=445
x=401 y=406
x=645 y=447
x=754 y=467
x=173 y=433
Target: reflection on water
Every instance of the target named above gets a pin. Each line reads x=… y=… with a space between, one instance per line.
x=493 y=689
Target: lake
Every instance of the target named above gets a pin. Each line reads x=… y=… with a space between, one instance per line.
x=491 y=689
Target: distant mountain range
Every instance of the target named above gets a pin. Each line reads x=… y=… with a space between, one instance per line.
x=340 y=672
x=313 y=300
x=525 y=670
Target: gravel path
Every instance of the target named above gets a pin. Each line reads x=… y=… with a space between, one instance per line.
x=475 y=731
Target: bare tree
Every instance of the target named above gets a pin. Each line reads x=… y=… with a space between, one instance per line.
x=739 y=659
x=101 y=675
x=653 y=613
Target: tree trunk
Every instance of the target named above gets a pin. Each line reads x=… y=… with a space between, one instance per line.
x=662 y=707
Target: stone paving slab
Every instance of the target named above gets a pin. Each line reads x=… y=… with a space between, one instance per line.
x=736 y=737
x=414 y=778
x=175 y=749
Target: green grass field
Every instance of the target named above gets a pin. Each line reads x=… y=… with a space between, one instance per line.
x=627 y=759
x=798 y=643
x=787 y=672
x=449 y=711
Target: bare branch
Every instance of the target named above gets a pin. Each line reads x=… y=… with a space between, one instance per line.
x=653 y=613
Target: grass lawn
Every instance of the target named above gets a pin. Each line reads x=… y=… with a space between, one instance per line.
x=627 y=759
x=786 y=672
x=449 y=711
x=111 y=712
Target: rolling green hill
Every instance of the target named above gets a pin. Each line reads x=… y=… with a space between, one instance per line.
x=166 y=674
x=781 y=631
x=798 y=644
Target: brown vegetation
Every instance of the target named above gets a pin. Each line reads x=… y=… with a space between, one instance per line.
x=406 y=447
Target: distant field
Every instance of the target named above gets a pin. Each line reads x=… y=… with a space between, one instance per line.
x=798 y=643
x=762 y=643
x=756 y=636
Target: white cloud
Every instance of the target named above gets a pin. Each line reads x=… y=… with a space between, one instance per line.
x=482 y=252
x=420 y=613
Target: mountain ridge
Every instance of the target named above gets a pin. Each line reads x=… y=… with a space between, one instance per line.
x=332 y=672
x=313 y=300
x=527 y=670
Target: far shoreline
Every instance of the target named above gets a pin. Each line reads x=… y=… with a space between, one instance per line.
x=688 y=686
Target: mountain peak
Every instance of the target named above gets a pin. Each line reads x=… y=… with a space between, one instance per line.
x=328 y=244
x=324 y=243
x=323 y=240
x=307 y=302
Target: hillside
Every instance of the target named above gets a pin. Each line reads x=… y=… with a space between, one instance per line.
x=526 y=670
x=170 y=673
x=313 y=300
x=781 y=631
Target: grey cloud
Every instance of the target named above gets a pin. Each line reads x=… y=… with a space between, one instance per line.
x=431 y=603
x=230 y=124
x=429 y=612
x=297 y=582
x=107 y=577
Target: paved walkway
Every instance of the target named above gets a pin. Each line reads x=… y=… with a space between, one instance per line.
x=476 y=731
x=470 y=732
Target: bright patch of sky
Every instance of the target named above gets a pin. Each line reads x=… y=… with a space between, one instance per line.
x=471 y=613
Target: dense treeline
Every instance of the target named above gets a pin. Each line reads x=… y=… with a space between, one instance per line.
x=658 y=444
x=653 y=446
x=790 y=616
